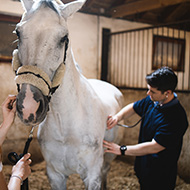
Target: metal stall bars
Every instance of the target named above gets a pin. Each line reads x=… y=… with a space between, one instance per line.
x=134 y=53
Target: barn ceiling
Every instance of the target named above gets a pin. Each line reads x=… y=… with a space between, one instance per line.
x=155 y=12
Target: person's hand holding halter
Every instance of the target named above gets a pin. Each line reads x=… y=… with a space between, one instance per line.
x=9 y=109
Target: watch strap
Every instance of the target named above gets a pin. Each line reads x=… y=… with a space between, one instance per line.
x=123 y=148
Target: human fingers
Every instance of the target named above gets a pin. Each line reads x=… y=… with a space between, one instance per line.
x=110 y=122
x=112 y=147
x=14 y=107
x=8 y=100
x=29 y=161
x=12 y=103
x=106 y=144
x=9 y=106
x=109 y=119
x=25 y=157
x=22 y=168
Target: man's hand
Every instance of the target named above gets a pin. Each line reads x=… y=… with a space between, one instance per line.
x=112 y=121
x=111 y=147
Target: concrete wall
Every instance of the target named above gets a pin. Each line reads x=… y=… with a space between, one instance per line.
x=85 y=36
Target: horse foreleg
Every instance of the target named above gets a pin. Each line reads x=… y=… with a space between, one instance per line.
x=92 y=178
x=93 y=182
x=105 y=170
x=57 y=180
x=108 y=158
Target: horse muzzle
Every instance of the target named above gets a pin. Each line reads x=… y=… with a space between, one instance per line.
x=31 y=105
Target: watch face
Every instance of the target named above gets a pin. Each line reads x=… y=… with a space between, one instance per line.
x=123 y=148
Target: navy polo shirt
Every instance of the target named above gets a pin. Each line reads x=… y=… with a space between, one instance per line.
x=166 y=125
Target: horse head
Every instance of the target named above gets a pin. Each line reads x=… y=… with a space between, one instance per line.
x=40 y=60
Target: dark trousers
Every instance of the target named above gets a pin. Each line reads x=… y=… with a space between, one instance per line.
x=154 y=186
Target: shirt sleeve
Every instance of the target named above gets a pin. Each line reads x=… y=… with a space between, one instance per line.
x=170 y=134
x=165 y=136
x=141 y=106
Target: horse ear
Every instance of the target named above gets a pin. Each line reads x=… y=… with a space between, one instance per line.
x=70 y=8
x=27 y=4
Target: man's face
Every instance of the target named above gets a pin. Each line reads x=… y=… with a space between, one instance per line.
x=156 y=95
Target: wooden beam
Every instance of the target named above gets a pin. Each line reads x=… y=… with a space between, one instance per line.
x=180 y=10
x=5 y=59
x=9 y=18
x=142 y=6
x=89 y=3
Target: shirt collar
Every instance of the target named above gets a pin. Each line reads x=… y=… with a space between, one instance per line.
x=169 y=104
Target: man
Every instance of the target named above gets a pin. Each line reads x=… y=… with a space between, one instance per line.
x=163 y=125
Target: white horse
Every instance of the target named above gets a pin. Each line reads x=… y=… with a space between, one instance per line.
x=73 y=124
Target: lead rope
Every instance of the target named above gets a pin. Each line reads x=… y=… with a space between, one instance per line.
x=14 y=157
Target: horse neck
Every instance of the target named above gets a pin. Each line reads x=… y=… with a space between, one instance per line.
x=73 y=86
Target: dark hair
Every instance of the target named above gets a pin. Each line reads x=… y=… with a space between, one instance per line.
x=163 y=79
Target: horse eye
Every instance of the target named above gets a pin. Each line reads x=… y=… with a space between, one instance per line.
x=17 y=33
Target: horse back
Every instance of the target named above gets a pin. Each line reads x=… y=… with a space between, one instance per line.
x=109 y=94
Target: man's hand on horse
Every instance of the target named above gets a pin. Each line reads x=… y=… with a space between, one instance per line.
x=112 y=121
x=111 y=147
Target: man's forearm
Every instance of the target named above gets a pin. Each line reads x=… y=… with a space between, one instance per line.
x=144 y=149
x=126 y=112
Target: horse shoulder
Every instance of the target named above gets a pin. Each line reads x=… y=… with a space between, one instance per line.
x=108 y=93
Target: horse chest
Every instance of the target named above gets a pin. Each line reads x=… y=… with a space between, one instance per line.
x=73 y=150
x=69 y=134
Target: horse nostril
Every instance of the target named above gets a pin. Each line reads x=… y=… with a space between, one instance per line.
x=40 y=108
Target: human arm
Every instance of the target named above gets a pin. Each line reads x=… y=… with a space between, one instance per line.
x=140 y=149
x=20 y=172
x=126 y=112
x=8 y=108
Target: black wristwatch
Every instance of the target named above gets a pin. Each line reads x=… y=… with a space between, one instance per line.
x=123 y=148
